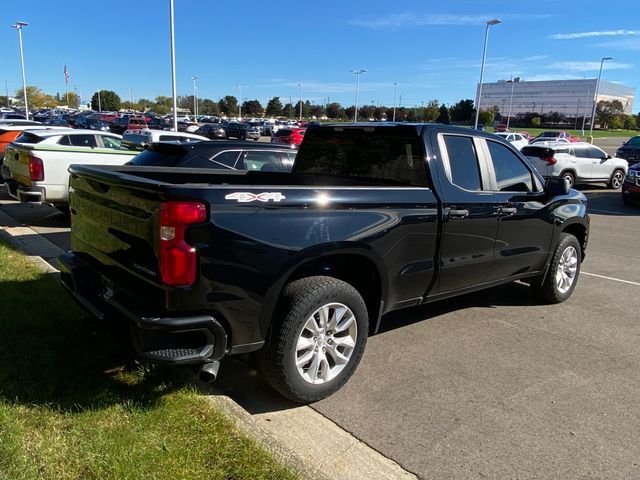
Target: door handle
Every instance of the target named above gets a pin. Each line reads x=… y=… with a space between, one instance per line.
x=508 y=210
x=458 y=213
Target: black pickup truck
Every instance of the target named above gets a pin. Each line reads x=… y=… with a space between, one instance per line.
x=300 y=267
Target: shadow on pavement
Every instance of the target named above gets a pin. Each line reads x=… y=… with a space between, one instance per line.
x=604 y=201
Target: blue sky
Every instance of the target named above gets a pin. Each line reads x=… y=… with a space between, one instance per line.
x=431 y=48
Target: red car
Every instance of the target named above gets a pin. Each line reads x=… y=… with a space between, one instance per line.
x=289 y=136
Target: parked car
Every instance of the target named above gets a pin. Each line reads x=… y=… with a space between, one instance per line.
x=185 y=126
x=122 y=124
x=157 y=123
x=577 y=163
x=501 y=128
x=289 y=136
x=12 y=116
x=242 y=131
x=232 y=155
x=631 y=185
x=38 y=161
x=139 y=139
x=269 y=127
x=555 y=136
x=300 y=267
x=91 y=123
x=630 y=150
x=57 y=122
x=514 y=139
x=9 y=132
x=211 y=131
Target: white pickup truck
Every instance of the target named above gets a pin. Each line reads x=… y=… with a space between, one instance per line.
x=36 y=163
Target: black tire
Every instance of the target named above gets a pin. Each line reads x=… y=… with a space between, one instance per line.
x=242 y=137
x=570 y=177
x=616 y=179
x=299 y=301
x=546 y=290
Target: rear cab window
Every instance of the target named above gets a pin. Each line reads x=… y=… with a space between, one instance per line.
x=379 y=154
x=28 y=137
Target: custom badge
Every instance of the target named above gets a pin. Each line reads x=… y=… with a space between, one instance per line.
x=246 y=197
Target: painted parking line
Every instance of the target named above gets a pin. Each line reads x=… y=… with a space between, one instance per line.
x=611 y=278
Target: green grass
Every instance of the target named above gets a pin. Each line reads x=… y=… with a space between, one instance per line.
x=75 y=404
x=576 y=133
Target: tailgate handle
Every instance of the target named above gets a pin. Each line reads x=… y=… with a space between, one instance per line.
x=98 y=186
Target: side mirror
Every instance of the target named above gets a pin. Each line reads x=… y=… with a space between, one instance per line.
x=557 y=186
x=608 y=157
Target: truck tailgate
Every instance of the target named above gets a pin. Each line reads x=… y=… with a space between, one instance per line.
x=115 y=223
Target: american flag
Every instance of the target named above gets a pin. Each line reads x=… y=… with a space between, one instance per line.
x=66 y=74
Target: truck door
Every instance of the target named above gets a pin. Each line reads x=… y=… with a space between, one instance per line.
x=470 y=222
x=524 y=234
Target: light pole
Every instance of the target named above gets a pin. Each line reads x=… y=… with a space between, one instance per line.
x=584 y=113
x=595 y=99
x=395 y=97
x=510 y=102
x=99 y=102
x=239 y=102
x=19 y=26
x=195 y=98
x=357 y=73
x=495 y=21
x=173 y=69
x=300 y=85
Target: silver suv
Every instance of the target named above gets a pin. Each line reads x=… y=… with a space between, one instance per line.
x=576 y=162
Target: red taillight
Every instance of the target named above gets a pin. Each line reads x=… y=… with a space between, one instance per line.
x=36 y=169
x=550 y=160
x=177 y=258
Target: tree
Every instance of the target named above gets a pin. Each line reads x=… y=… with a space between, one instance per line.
x=335 y=110
x=274 y=107
x=252 y=107
x=431 y=111
x=366 y=112
x=606 y=111
x=316 y=111
x=535 y=122
x=228 y=105
x=443 y=116
x=209 y=107
x=162 y=105
x=630 y=122
x=73 y=102
x=36 y=98
x=350 y=112
x=486 y=117
x=462 y=111
x=109 y=101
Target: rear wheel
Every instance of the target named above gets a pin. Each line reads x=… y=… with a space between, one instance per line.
x=317 y=339
x=562 y=276
x=616 y=179
x=242 y=136
x=570 y=178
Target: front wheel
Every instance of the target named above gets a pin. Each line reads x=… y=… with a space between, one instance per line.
x=317 y=339
x=569 y=177
x=616 y=179
x=562 y=276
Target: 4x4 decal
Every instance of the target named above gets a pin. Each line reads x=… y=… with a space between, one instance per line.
x=245 y=197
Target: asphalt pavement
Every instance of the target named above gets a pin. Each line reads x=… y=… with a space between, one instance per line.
x=489 y=385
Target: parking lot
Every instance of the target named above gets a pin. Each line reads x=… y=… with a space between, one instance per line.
x=490 y=385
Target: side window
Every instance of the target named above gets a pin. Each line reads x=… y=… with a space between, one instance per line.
x=64 y=140
x=596 y=153
x=511 y=173
x=289 y=160
x=463 y=162
x=262 y=161
x=581 y=152
x=227 y=158
x=165 y=138
x=82 y=140
x=111 y=142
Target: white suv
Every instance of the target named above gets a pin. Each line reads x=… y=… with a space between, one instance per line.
x=576 y=162
x=515 y=139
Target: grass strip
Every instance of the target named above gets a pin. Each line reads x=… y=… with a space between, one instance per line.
x=75 y=403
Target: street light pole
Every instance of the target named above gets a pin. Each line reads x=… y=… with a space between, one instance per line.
x=300 y=85
x=495 y=21
x=239 y=102
x=173 y=69
x=395 y=97
x=584 y=113
x=19 y=26
x=510 y=102
x=595 y=99
x=195 y=98
x=99 y=102
x=357 y=73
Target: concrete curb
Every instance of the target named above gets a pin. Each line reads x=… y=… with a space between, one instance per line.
x=299 y=437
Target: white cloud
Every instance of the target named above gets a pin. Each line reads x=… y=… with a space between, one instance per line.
x=408 y=20
x=602 y=33
x=627 y=44
x=587 y=66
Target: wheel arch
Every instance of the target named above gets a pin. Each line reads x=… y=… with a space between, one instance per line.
x=579 y=231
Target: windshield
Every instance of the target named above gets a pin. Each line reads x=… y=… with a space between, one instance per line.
x=634 y=142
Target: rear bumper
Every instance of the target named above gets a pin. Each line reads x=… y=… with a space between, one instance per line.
x=181 y=340
x=25 y=194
